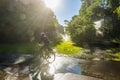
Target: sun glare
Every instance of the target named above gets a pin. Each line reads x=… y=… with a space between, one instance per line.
x=52 y=4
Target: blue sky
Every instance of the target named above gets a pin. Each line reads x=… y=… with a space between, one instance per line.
x=67 y=9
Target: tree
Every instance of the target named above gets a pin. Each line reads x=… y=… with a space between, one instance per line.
x=111 y=27
x=81 y=27
x=66 y=22
x=22 y=21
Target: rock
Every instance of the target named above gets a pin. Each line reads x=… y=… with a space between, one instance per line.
x=12 y=59
x=71 y=76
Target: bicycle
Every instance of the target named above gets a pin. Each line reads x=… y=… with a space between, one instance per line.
x=46 y=53
x=40 y=63
x=49 y=55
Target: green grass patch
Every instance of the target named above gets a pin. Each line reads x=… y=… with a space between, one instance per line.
x=27 y=48
x=118 y=56
x=115 y=52
x=67 y=48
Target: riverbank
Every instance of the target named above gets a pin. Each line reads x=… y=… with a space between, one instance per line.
x=112 y=54
x=67 y=48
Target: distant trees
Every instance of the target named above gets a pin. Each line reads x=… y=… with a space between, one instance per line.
x=111 y=23
x=66 y=22
x=82 y=29
x=22 y=21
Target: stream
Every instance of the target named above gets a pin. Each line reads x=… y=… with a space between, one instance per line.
x=106 y=70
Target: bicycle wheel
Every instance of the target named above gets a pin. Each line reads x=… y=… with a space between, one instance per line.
x=50 y=57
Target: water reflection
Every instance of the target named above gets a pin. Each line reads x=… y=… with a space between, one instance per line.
x=64 y=64
x=106 y=70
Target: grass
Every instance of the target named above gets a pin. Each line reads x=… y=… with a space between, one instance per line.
x=68 y=48
x=27 y=48
x=118 y=56
x=115 y=52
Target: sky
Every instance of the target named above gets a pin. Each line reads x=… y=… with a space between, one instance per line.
x=66 y=10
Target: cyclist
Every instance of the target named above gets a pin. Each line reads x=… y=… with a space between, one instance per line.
x=44 y=41
x=44 y=45
x=44 y=67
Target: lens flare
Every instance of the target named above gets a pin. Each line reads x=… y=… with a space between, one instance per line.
x=52 y=4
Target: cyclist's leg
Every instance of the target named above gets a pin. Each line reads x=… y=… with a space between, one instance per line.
x=50 y=56
x=41 y=52
x=49 y=48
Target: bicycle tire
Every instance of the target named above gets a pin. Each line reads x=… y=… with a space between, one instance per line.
x=51 y=57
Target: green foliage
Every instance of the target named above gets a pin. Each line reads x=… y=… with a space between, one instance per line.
x=116 y=40
x=115 y=52
x=117 y=10
x=81 y=27
x=22 y=21
x=112 y=21
x=118 y=56
x=28 y=48
x=68 y=48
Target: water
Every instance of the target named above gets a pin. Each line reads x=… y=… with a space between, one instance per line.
x=106 y=70
x=65 y=64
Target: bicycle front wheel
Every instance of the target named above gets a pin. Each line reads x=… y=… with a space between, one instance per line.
x=50 y=57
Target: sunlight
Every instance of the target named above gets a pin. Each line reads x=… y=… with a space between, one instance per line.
x=52 y=4
x=52 y=69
